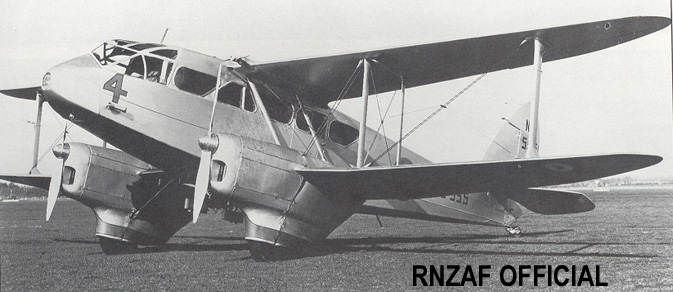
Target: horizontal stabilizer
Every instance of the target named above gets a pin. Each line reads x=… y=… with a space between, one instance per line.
x=24 y=93
x=552 y=202
x=40 y=181
x=434 y=180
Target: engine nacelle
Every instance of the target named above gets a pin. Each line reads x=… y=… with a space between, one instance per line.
x=126 y=203
x=281 y=207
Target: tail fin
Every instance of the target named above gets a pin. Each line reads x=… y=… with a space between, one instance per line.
x=512 y=142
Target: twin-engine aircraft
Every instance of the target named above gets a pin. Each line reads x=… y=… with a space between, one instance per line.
x=259 y=141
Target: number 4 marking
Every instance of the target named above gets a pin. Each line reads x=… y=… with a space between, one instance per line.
x=115 y=85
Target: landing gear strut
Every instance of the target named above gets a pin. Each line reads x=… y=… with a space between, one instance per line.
x=112 y=246
x=514 y=230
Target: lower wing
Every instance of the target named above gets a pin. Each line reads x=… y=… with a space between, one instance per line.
x=40 y=181
x=432 y=180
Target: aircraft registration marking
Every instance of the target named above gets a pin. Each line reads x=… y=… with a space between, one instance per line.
x=460 y=199
x=115 y=85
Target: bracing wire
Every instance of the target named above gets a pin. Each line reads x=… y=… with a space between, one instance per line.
x=381 y=118
x=452 y=99
x=338 y=101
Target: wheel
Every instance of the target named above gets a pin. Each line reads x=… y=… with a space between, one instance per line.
x=514 y=230
x=264 y=252
x=112 y=246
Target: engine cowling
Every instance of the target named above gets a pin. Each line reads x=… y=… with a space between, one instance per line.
x=132 y=202
x=281 y=208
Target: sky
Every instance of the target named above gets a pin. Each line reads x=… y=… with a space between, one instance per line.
x=613 y=101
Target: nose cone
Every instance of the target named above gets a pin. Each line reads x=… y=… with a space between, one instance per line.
x=71 y=88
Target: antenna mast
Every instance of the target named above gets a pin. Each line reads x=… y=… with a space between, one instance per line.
x=164 y=37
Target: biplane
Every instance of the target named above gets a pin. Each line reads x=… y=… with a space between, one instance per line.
x=264 y=142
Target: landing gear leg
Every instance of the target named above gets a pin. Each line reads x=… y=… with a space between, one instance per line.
x=112 y=247
x=514 y=231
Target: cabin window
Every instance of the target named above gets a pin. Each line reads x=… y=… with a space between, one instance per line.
x=237 y=95
x=341 y=133
x=248 y=101
x=194 y=81
x=279 y=108
x=317 y=121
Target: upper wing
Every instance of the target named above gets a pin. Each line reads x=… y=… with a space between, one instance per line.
x=325 y=77
x=434 y=180
x=36 y=180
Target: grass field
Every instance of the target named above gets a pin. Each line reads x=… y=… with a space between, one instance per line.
x=629 y=235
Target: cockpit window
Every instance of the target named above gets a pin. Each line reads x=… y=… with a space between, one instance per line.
x=135 y=67
x=126 y=57
x=123 y=42
x=341 y=133
x=171 y=54
x=193 y=81
x=140 y=47
x=158 y=70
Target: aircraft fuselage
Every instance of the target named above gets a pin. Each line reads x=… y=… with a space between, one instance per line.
x=154 y=103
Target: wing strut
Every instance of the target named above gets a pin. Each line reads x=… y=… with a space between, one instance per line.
x=262 y=108
x=363 y=120
x=399 y=142
x=533 y=149
x=36 y=141
x=314 y=134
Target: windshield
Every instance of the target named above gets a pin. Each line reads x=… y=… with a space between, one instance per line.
x=149 y=61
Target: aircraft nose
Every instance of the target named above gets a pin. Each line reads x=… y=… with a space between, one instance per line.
x=71 y=88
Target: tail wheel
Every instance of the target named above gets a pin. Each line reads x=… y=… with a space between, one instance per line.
x=514 y=231
x=112 y=246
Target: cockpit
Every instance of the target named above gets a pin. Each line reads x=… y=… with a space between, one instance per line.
x=152 y=62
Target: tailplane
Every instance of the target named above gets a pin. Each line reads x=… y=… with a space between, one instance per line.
x=515 y=142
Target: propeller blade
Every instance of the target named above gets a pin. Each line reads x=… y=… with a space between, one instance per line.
x=54 y=189
x=61 y=152
x=202 y=182
x=203 y=173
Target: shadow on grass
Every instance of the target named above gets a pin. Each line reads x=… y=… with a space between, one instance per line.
x=192 y=247
x=205 y=243
x=438 y=245
x=431 y=245
x=82 y=241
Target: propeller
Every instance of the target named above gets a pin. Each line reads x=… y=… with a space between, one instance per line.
x=208 y=145
x=61 y=151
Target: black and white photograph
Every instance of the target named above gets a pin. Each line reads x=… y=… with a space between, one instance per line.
x=336 y=146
